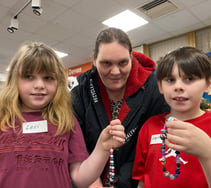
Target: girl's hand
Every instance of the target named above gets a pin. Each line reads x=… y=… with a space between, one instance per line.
x=113 y=136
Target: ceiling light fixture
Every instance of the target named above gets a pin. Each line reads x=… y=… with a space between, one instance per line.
x=37 y=12
x=13 y=25
x=36 y=6
x=126 y=21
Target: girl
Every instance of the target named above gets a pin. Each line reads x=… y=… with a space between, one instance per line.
x=41 y=144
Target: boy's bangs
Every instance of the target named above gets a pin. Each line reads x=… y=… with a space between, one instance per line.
x=190 y=68
x=165 y=69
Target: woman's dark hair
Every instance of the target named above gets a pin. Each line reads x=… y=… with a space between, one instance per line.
x=111 y=35
x=190 y=60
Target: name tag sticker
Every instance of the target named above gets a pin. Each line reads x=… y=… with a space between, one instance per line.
x=35 y=127
x=155 y=139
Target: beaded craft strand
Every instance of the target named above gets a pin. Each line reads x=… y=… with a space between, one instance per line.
x=163 y=137
x=111 y=166
x=115 y=108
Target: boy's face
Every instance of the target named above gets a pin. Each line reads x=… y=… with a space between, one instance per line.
x=36 y=91
x=183 y=93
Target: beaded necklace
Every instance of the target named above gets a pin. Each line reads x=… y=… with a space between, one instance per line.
x=111 y=179
x=111 y=167
x=163 y=137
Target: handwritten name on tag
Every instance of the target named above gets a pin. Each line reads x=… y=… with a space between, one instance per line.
x=155 y=139
x=35 y=127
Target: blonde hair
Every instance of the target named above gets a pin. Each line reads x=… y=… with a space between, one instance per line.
x=39 y=58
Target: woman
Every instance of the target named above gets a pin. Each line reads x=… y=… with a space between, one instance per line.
x=121 y=85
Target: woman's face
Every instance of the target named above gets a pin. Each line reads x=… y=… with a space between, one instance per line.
x=113 y=64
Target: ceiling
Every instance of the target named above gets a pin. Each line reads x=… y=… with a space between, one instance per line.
x=71 y=26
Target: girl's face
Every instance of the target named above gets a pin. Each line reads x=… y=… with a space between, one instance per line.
x=113 y=64
x=183 y=93
x=36 y=91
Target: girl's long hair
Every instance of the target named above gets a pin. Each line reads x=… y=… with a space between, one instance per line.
x=36 y=58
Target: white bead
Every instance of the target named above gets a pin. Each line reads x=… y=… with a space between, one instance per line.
x=166 y=174
x=171 y=177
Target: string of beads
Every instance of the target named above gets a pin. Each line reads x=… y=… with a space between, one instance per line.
x=111 y=167
x=115 y=108
x=163 y=137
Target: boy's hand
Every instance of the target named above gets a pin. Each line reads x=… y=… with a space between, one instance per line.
x=186 y=137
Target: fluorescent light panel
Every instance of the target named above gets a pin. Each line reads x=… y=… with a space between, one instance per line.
x=126 y=21
x=61 y=54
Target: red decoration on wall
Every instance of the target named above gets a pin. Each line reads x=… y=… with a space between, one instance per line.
x=75 y=71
